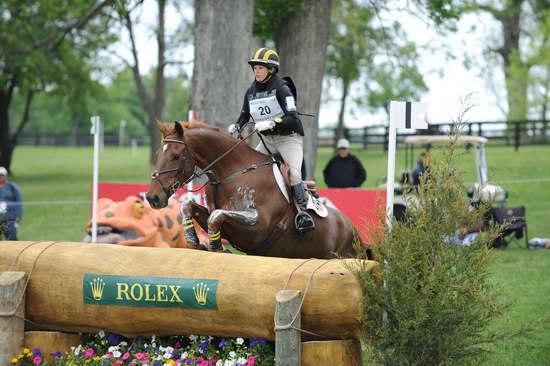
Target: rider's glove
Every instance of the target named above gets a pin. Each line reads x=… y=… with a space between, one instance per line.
x=232 y=128
x=264 y=125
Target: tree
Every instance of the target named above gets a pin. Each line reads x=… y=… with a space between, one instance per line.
x=302 y=40
x=223 y=44
x=43 y=45
x=352 y=42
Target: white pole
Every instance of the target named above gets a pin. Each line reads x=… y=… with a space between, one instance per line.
x=391 y=173
x=95 y=131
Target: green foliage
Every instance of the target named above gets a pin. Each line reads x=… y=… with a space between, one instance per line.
x=269 y=15
x=432 y=301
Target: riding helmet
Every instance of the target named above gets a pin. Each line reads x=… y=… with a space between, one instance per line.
x=267 y=57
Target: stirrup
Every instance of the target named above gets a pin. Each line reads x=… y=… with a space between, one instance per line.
x=303 y=223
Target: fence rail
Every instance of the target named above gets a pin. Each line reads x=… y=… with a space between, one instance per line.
x=500 y=133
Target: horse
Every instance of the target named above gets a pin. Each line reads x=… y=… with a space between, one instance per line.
x=244 y=202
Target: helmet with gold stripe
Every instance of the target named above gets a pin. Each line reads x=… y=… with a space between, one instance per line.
x=267 y=57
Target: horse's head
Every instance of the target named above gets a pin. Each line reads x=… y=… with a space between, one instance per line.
x=174 y=164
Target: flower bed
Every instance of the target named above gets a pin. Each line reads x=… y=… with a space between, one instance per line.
x=114 y=350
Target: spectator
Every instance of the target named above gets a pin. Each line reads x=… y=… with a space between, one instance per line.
x=420 y=168
x=344 y=170
x=11 y=206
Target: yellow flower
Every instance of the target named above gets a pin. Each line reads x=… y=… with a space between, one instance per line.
x=14 y=360
x=87 y=361
x=21 y=356
x=170 y=362
x=26 y=350
x=96 y=358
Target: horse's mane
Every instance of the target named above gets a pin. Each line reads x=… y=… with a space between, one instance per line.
x=196 y=124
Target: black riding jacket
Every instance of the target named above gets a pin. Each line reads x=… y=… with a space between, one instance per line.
x=268 y=101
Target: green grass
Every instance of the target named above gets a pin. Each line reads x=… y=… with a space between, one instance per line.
x=56 y=187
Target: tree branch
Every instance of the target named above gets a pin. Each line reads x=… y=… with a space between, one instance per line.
x=50 y=42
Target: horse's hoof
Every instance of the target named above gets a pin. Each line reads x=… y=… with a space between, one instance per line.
x=202 y=247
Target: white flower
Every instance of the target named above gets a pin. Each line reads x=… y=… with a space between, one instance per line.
x=232 y=354
x=166 y=364
x=112 y=349
x=167 y=355
x=240 y=341
x=184 y=355
x=242 y=360
x=123 y=343
x=193 y=337
x=229 y=363
x=77 y=350
x=101 y=334
x=145 y=345
x=116 y=354
x=219 y=363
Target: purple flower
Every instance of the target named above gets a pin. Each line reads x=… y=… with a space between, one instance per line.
x=156 y=364
x=36 y=352
x=204 y=344
x=113 y=338
x=262 y=341
x=222 y=344
x=57 y=355
x=253 y=342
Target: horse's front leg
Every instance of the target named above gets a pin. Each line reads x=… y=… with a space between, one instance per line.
x=190 y=211
x=218 y=217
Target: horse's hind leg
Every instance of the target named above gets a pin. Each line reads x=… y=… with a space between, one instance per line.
x=189 y=211
x=247 y=217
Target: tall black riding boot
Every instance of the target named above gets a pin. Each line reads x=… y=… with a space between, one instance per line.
x=303 y=222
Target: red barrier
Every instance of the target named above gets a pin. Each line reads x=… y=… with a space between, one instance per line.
x=360 y=205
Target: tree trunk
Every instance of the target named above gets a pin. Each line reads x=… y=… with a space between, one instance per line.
x=302 y=43
x=223 y=44
x=340 y=128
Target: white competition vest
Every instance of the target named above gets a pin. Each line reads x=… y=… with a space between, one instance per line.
x=265 y=106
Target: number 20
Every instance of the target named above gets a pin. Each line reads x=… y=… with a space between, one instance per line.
x=264 y=110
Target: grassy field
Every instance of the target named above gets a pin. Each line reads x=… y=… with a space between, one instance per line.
x=56 y=187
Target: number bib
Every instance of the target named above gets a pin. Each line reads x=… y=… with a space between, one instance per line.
x=264 y=106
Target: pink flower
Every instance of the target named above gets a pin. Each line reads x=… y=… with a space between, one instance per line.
x=140 y=356
x=37 y=360
x=177 y=345
x=117 y=363
x=109 y=354
x=204 y=363
x=89 y=353
x=251 y=360
x=126 y=355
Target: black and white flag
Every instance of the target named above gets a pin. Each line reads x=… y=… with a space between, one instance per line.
x=409 y=115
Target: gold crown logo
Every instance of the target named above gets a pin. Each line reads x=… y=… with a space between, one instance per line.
x=97 y=285
x=201 y=292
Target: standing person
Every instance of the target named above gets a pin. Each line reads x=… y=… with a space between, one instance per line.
x=11 y=206
x=271 y=103
x=419 y=169
x=344 y=170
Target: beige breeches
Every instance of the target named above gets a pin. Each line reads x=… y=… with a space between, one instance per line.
x=290 y=148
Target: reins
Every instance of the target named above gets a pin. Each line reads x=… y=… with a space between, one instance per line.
x=177 y=184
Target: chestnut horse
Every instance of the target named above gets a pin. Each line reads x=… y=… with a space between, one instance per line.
x=245 y=204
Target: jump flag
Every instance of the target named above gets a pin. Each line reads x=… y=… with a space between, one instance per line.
x=409 y=115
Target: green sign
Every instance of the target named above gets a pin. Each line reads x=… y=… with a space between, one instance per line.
x=149 y=291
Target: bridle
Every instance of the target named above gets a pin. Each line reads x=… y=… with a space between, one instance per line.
x=181 y=169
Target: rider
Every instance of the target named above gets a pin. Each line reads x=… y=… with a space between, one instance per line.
x=271 y=103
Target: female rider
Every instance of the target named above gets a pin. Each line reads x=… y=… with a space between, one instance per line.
x=271 y=103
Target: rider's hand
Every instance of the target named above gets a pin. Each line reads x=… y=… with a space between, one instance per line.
x=232 y=128
x=264 y=125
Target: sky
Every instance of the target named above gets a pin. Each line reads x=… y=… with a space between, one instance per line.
x=448 y=80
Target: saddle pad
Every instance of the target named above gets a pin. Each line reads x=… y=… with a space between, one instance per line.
x=313 y=203
x=317 y=206
x=280 y=181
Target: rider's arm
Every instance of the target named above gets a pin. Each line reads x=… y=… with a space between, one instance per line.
x=244 y=117
x=286 y=100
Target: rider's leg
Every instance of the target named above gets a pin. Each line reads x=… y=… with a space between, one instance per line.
x=290 y=148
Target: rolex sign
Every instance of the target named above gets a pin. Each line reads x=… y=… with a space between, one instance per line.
x=150 y=291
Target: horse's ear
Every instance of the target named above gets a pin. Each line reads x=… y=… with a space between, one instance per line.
x=163 y=127
x=179 y=128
